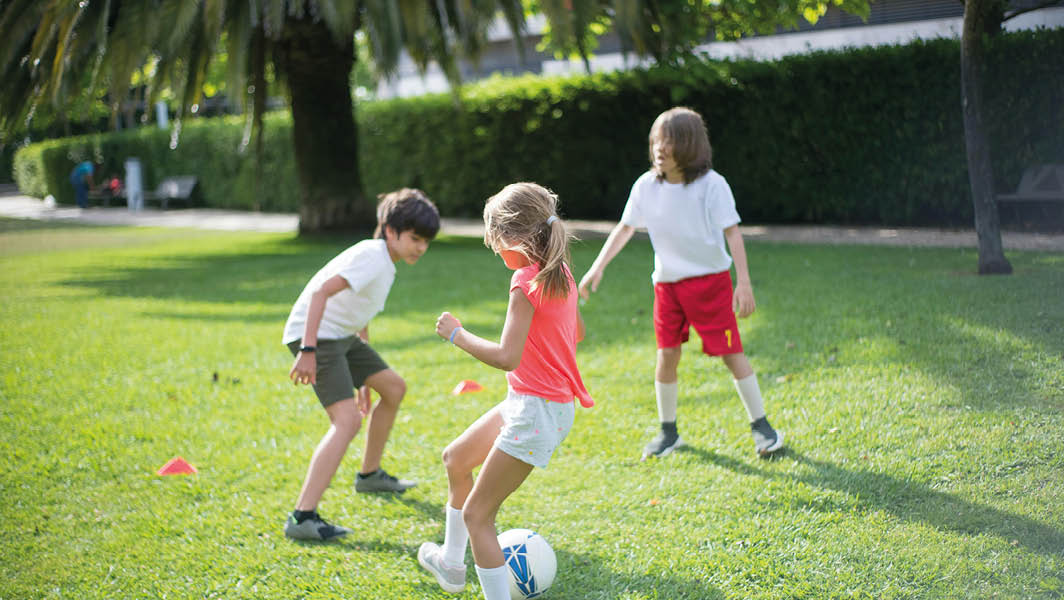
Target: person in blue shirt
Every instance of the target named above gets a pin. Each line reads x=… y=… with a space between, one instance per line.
x=81 y=179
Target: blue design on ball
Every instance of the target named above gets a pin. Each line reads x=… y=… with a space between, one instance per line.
x=516 y=559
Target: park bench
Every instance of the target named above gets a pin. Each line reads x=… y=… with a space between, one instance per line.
x=1041 y=186
x=178 y=188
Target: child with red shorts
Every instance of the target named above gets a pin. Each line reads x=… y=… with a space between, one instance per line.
x=689 y=211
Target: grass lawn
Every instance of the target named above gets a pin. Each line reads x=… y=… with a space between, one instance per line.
x=922 y=406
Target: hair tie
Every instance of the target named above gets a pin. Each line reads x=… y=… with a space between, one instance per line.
x=551 y=219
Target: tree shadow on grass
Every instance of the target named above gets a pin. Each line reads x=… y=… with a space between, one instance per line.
x=975 y=335
x=906 y=499
x=261 y=278
x=9 y=224
x=433 y=510
x=271 y=317
x=585 y=576
x=275 y=272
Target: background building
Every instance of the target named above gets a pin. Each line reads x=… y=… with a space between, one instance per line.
x=889 y=22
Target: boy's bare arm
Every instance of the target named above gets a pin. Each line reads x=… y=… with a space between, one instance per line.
x=743 y=298
x=305 y=369
x=614 y=243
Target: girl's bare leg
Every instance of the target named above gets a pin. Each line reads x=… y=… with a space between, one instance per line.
x=499 y=477
x=468 y=451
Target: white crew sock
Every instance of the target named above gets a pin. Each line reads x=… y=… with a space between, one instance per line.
x=495 y=583
x=455 y=537
x=668 y=395
x=750 y=394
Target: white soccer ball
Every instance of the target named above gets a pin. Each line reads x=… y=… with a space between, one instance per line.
x=531 y=563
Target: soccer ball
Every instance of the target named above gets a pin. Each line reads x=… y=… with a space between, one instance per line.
x=530 y=560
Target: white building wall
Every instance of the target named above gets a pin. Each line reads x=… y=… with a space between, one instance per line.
x=410 y=83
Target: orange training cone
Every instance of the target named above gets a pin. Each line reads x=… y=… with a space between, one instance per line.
x=467 y=385
x=176 y=466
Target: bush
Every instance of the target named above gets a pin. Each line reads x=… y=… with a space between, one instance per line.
x=864 y=136
x=208 y=149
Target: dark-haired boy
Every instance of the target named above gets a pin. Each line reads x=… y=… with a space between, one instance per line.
x=328 y=332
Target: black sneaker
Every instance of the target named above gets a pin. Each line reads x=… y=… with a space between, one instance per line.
x=766 y=439
x=381 y=481
x=663 y=444
x=313 y=528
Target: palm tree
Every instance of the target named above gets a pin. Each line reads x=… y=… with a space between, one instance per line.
x=50 y=49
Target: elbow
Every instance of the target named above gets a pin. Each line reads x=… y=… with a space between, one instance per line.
x=508 y=362
x=508 y=365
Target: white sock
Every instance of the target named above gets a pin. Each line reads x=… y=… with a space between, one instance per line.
x=495 y=583
x=455 y=537
x=668 y=395
x=750 y=394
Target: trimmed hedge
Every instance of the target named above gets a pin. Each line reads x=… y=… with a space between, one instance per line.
x=208 y=149
x=871 y=135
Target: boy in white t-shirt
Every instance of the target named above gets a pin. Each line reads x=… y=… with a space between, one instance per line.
x=689 y=211
x=328 y=332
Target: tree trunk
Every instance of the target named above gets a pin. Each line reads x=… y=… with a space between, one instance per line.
x=980 y=174
x=317 y=68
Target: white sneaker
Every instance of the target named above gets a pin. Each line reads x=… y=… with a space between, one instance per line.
x=663 y=445
x=766 y=439
x=451 y=579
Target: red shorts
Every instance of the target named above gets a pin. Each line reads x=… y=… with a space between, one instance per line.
x=702 y=302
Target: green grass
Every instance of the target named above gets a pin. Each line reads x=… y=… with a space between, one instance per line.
x=922 y=406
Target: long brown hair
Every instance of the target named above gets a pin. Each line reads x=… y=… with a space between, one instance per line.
x=685 y=132
x=516 y=219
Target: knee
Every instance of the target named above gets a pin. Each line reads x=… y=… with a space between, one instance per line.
x=475 y=517
x=738 y=365
x=450 y=457
x=393 y=391
x=669 y=355
x=347 y=426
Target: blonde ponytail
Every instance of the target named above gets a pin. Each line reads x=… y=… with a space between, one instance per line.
x=552 y=273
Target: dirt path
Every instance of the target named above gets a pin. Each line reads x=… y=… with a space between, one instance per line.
x=15 y=205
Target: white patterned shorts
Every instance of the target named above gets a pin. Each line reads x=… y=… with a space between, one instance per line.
x=533 y=427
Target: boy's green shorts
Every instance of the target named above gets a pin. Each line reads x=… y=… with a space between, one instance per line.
x=343 y=366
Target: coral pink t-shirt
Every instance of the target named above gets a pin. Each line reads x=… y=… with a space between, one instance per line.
x=548 y=365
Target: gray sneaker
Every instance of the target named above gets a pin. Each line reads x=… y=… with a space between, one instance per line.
x=766 y=439
x=451 y=579
x=313 y=528
x=663 y=444
x=381 y=481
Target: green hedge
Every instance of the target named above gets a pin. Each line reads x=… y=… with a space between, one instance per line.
x=207 y=148
x=869 y=135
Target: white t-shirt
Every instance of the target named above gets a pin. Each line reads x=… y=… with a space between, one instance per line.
x=369 y=271
x=686 y=224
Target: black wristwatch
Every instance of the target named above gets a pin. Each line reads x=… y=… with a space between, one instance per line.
x=309 y=349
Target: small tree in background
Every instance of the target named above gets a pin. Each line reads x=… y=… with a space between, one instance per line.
x=983 y=18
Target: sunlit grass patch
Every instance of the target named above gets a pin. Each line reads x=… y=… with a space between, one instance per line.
x=921 y=404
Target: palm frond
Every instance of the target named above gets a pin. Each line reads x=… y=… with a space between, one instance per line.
x=514 y=14
x=180 y=18
x=383 y=26
x=19 y=22
x=273 y=15
x=339 y=16
x=238 y=43
x=65 y=29
x=42 y=39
